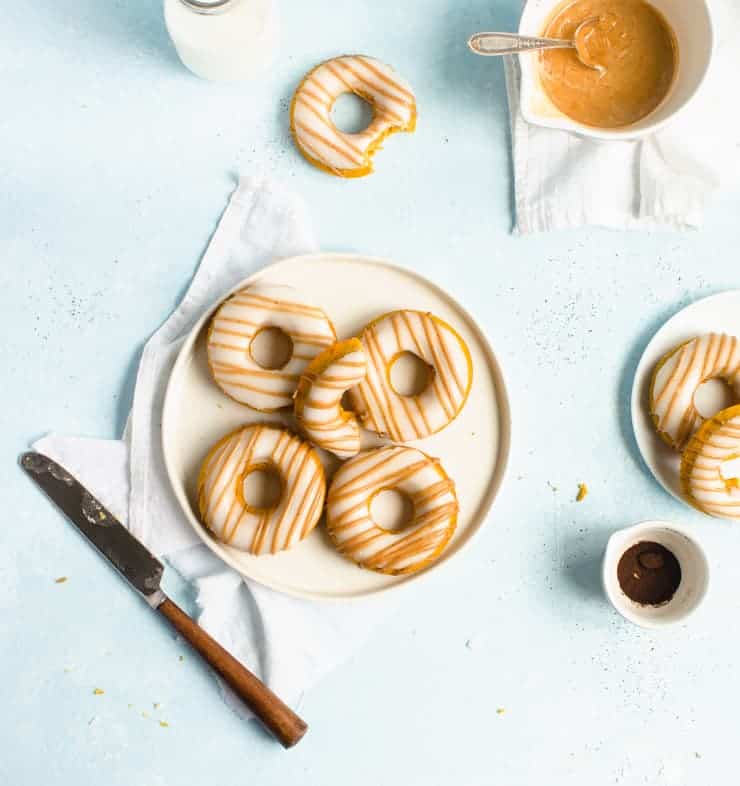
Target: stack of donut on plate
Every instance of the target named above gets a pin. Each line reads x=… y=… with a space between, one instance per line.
x=319 y=372
x=710 y=449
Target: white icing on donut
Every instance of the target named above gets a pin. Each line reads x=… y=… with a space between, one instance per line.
x=234 y=327
x=318 y=402
x=678 y=376
x=231 y=519
x=407 y=418
x=709 y=451
x=422 y=479
x=311 y=121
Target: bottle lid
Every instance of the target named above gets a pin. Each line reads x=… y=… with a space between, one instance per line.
x=207 y=6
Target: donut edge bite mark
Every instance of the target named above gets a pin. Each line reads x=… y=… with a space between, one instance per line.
x=710 y=358
x=369 y=531
x=242 y=339
x=229 y=494
x=326 y=102
x=377 y=404
x=341 y=425
x=718 y=425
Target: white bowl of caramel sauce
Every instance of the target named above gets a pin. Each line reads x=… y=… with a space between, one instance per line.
x=647 y=60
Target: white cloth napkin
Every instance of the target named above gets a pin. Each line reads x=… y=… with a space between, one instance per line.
x=289 y=643
x=564 y=180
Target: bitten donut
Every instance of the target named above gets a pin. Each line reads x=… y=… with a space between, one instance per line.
x=314 y=132
x=236 y=324
x=318 y=400
x=411 y=472
x=708 y=480
x=406 y=418
x=228 y=515
x=677 y=377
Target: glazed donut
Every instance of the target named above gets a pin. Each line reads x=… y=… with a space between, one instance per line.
x=237 y=323
x=318 y=400
x=717 y=441
x=314 y=132
x=231 y=518
x=406 y=418
x=677 y=377
x=411 y=472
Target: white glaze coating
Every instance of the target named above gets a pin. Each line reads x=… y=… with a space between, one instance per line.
x=411 y=472
x=313 y=128
x=233 y=329
x=679 y=375
x=221 y=489
x=319 y=409
x=702 y=481
x=407 y=418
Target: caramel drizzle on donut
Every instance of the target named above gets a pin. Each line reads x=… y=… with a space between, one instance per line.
x=393 y=104
x=717 y=441
x=225 y=470
x=353 y=530
x=702 y=358
x=319 y=402
x=383 y=408
x=235 y=325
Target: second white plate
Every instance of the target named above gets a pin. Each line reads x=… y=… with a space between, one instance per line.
x=714 y=314
x=352 y=290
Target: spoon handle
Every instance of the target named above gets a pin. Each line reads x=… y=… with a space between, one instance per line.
x=512 y=43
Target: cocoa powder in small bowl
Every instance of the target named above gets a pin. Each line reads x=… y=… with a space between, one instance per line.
x=648 y=573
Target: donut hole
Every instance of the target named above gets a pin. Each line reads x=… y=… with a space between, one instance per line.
x=351 y=113
x=712 y=396
x=262 y=487
x=391 y=510
x=410 y=375
x=271 y=348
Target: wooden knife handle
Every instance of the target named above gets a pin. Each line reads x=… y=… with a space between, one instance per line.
x=277 y=717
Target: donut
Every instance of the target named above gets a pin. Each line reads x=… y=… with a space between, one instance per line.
x=411 y=472
x=702 y=482
x=405 y=418
x=318 y=400
x=678 y=375
x=314 y=132
x=237 y=323
x=226 y=513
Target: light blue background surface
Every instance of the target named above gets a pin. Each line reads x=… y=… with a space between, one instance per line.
x=115 y=165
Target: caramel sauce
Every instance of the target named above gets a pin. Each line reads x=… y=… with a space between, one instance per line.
x=623 y=66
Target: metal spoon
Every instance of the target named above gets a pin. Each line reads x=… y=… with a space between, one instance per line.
x=493 y=44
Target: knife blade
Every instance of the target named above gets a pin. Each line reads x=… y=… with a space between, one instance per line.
x=130 y=557
x=143 y=571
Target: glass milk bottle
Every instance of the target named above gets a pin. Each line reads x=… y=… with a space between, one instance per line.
x=223 y=40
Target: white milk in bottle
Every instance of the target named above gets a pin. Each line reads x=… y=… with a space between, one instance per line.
x=223 y=40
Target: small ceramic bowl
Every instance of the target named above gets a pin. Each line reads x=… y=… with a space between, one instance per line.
x=692 y=24
x=694 y=573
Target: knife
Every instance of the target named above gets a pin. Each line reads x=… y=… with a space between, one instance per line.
x=143 y=572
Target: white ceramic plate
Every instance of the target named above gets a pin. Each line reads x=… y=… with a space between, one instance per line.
x=352 y=290
x=714 y=314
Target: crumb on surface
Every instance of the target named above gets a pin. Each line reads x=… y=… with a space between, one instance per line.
x=156 y=705
x=60 y=580
x=98 y=692
x=469 y=643
x=145 y=715
x=552 y=486
x=164 y=724
x=500 y=710
x=582 y=491
x=181 y=657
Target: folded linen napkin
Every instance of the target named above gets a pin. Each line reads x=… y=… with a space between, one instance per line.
x=563 y=180
x=289 y=643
